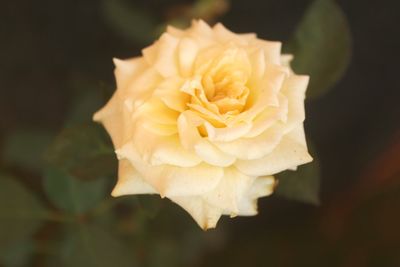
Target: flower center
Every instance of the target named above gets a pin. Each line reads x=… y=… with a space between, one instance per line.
x=227 y=90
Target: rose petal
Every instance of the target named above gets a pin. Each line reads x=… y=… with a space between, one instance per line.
x=269 y=117
x=227 y=134
x=294 y=89
x=171 y=180
x=272 y=50
x=252 y=148
x=230 y=190
x=170 y=95
x=130 y=182
x=204 y=214
x=291 y=152
x=187 y=52
x=162 y=55
x=114 y=119
x=261 y=187
x=125 y=70
x=191 y=139
x=158 y=150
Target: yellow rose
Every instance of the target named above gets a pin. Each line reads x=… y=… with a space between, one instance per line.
x=205 y=118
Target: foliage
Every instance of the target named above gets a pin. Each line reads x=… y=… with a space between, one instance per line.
x=321 y=46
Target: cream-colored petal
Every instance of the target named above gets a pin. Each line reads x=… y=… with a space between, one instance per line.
x=201 y=30
x=170 y=94
x=258 y=64
x=212 y=155
x=224 y=35
x=267 y=94
x=175 y=31
x=204 y=214
x=252 y=148
x=191 y=139
x=227 y=134
x=294 y=89
x=156 y=111
x=130 y=182
x=286 y=59
x=126 y=70
x=187 y=52
x=141 y=87
x=162 y=55
x=288 y=154
x=158 y=150
x=171 y=180
x=114 y=120
x=269 y=117
x=272 y=50
x=261 y=187
x=231 y=189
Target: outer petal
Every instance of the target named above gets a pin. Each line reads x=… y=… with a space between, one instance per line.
x=163 y=55
x=252 y=148
x=231 y=189
x=130 y=182
x=114 y=119
x=269 y=117
x=294 y=89
x=187 y=52
x=272 y=50
x=204 y=214
x=127 y=69
x=291 y=152
x=262 y=186
x=171 y=180
x=158 y=150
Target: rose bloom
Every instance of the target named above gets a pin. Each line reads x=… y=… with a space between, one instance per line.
x=205 y=117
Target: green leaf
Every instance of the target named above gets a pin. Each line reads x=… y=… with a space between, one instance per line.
x=91 y=246
x=84 y=151
x=26 y=147
x=302 y=184
x=321 y=46
x=21 y=214
x=129 y=21
x=71 y=194
x=17 y=254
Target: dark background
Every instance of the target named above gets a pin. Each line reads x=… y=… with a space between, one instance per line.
x=47 y=46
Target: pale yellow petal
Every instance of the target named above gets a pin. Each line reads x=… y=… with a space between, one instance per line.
x=294 y=89
x=130 y=182
x=158 y=150
x=252 y=148
x=187 y=52
x=228 y=133
x=272 y=50
x=191 y=139
x=205 y=215
x=287 y=155
x=269 y=117
x=162 y=55
x=126 y=70
x=171 y=180
x=170 y=94
x=231 y=189
x=261 y=187
x=115 y=119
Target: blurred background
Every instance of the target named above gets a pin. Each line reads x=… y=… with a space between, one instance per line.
x=57 y=170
